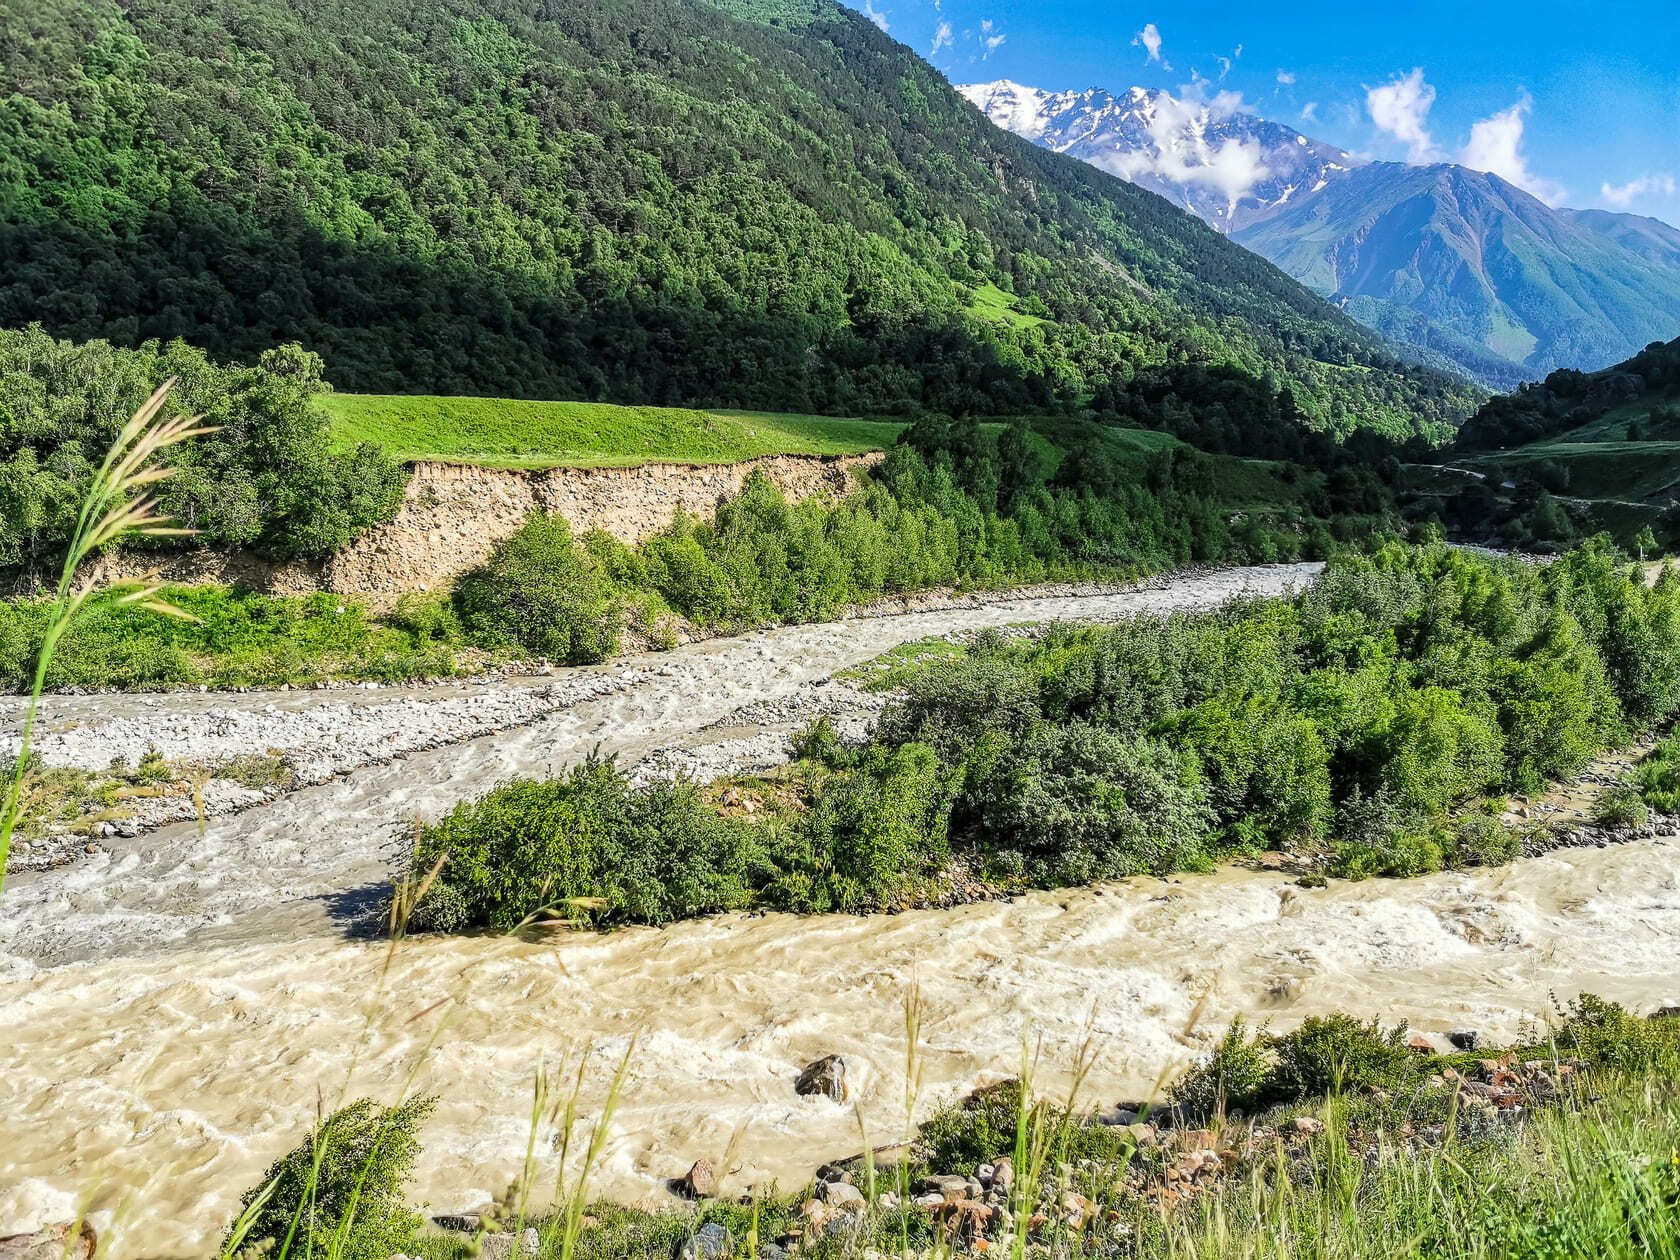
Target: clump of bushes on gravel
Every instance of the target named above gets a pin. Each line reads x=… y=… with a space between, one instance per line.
x=592 y=846
x=1358 y=723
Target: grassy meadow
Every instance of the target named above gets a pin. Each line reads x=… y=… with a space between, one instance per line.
x=523 y=433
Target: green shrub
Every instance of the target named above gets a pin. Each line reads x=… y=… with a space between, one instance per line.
x=346 y=1180
x=1480 y=839
x=1622 y=805
x=1338 y=1053
x=587 y=844
x=1607 y=1034
x=956 y=703
x=1378 y=835
x=1235 y=1077
x=1084 y=803
x=882 y=824
x=540 y=590
x=1659 y=777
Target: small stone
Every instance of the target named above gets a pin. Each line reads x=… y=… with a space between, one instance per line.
x=709 y=1242
x=530 y=1242
x=1419 y=1044
x=1116 y=1117
x=949 y=1186
x=1003 y=1174
x=1306 y=1126
x=837 y=1194
x=700 y=1182
x=1465 y=1039
x=825 y=1078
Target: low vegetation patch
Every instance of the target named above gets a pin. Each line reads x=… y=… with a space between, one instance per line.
x=1368 y=726
x=521 y=433
x=1338 y=1139
x=233 y=638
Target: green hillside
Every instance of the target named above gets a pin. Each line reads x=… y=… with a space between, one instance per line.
x=1464 y=265
x=522 y=433
x=1576 y=453
x=770 y=206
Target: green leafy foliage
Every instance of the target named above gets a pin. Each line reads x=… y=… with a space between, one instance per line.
x=585 y=844
x=767 y=205
x=342 y=1190
x=540 y=591
x=265 y=480
x=1359 y=716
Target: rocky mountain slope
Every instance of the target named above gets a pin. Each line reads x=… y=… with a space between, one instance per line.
x=1228 y=167
x=1460 y=265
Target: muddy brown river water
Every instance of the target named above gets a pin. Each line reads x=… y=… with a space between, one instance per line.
x=174 y=1012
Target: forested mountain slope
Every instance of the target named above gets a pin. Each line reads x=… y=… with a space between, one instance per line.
x=762 y=203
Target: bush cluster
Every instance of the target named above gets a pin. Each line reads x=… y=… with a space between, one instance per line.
x=267 y=479
x=593 y=847
x=974 y=513
x=1359 y=716
x=1355 y=719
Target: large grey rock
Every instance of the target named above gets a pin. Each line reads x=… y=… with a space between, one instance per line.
x=709 y=1242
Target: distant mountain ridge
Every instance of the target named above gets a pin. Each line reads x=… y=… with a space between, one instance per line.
x=1460 y=265
x=1227 y=167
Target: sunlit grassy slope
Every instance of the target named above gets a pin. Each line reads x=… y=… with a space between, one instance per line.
x=520 y=433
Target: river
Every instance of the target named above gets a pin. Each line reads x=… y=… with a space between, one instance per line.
x=175 y=1010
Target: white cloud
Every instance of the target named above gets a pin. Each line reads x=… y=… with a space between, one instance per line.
x=1622 y=195
x=1149 y=39
x=1309 y=112
x=1286 y=78
x=992 y=43
x=880 y=19
x=1401 y=108
x=1496 y=146
x=942 y=36
x=1182 y=152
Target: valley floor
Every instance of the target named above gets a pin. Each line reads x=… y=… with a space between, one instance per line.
x=180 y=1003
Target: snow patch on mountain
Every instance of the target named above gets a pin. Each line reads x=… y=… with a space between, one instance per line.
x=1207 y=155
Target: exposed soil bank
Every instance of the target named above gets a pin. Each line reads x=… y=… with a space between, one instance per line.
x=453 y=515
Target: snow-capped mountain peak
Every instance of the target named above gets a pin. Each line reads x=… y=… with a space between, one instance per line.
x=1226 y=165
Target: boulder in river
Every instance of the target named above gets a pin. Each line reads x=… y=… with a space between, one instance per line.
x=701 y=1181
x=826 y=1077
x=65 y=1240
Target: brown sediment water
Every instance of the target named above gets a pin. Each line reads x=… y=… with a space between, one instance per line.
x=170 y=1032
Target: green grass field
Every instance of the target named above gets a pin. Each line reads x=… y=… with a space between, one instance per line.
x=521 y=433
x=994 y=305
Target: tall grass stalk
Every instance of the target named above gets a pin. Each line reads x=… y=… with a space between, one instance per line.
x=116 y=506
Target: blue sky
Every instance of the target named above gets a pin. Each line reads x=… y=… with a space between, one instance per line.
x=1580 y=103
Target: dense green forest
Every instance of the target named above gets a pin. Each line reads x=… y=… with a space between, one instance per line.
x=267 y=479
x=764 y=205
x=1649 y=382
